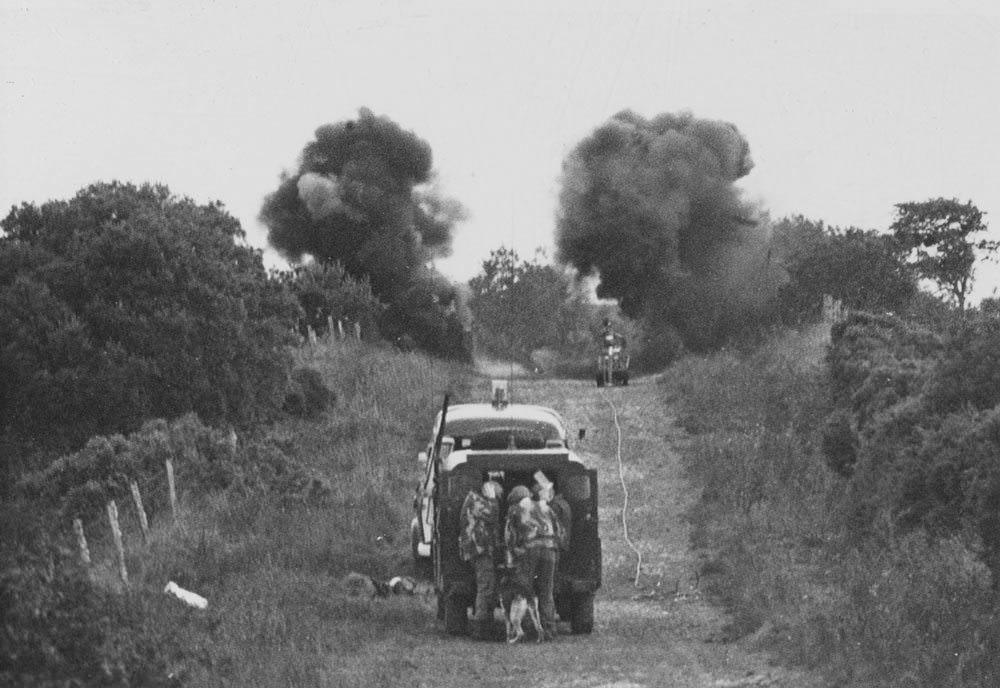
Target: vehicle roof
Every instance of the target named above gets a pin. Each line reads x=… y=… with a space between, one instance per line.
x=511 y=411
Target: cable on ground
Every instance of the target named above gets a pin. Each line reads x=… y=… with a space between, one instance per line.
x=621 y=477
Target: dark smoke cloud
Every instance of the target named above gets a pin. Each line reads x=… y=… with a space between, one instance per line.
x=363 y=195
x=652 y=207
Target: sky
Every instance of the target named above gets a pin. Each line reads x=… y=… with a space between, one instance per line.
x=849 y=107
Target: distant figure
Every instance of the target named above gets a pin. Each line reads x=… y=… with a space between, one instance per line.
x=479 y=541
x=608 y=336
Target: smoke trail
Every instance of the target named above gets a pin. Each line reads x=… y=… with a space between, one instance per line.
x=652 y=207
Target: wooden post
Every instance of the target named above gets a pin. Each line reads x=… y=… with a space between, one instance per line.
x=172 y=489
x=329 y=327
x=81 y=540
x=357 y=330
x=116 y=532
x=340 y=329
x=312 y=335
x=137 y=498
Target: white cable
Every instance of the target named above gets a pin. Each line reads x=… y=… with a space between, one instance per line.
x=621 y=477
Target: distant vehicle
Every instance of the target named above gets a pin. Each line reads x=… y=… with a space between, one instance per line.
x=612 y=366
x=508 y=443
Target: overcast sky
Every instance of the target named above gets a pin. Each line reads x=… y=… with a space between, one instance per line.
x=848 y=109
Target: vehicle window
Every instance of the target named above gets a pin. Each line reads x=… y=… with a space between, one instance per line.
x=502 y=433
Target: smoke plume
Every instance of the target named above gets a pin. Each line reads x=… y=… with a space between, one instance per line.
x=363 y=195
x=651 y=206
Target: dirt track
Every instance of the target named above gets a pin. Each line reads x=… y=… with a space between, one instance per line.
x=659 y=633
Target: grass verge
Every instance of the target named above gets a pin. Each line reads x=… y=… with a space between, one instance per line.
x=891 y=610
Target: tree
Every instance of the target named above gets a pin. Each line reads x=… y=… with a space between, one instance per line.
x=127 y=303
x=520 y=306
x=863 y=269
x=327 y=291
x=938 y=233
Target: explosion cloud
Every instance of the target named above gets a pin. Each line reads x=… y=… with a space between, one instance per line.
x=652 y=207
x=362 y=195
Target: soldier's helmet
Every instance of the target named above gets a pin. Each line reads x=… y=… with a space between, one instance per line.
x=517 y=494
x=492 y=490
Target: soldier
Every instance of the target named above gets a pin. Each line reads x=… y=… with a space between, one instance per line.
x=544 y=491
x=532 y=535
x=479 y=542
x=609 y=337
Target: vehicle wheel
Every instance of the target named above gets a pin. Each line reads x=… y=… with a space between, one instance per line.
x=456 y=615
x=564 y=607
x=583 y=613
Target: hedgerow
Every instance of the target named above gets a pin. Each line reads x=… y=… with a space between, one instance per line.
x=204 y=459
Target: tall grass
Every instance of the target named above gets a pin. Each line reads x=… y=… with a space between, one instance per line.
x=892 y=610
x=270 y=567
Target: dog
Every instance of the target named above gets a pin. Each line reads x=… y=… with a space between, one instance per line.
x=518 y=600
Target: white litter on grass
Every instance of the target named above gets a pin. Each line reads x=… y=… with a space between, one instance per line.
x=191 y=598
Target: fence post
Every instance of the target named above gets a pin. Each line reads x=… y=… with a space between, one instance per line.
x=312 y=335
x=340 y=329
x=137 y=498
x=172 y=489
x=116 y=532
x=357 y=330
x=329 y=327
x=81 y=540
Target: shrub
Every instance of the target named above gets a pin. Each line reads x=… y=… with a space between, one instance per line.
x=204 y=459
x=327 y=293
x=127 y=303
x=969 y=373
x=840 y=443
x=308 y=396
x=917 y=611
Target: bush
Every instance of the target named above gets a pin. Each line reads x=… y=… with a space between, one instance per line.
x=918 y=612
x=60 y=629
x=969 y=373
x=308 y=396
x=205 y=460
x=327 y=293
x=885 y=578
x=127 y=303
x=840 y=443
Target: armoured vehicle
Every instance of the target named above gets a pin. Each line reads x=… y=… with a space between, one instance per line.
x=508 y=443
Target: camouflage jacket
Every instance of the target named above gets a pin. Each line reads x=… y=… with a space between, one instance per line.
x=531 y=524
x=479 y=527
x=564 y=518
